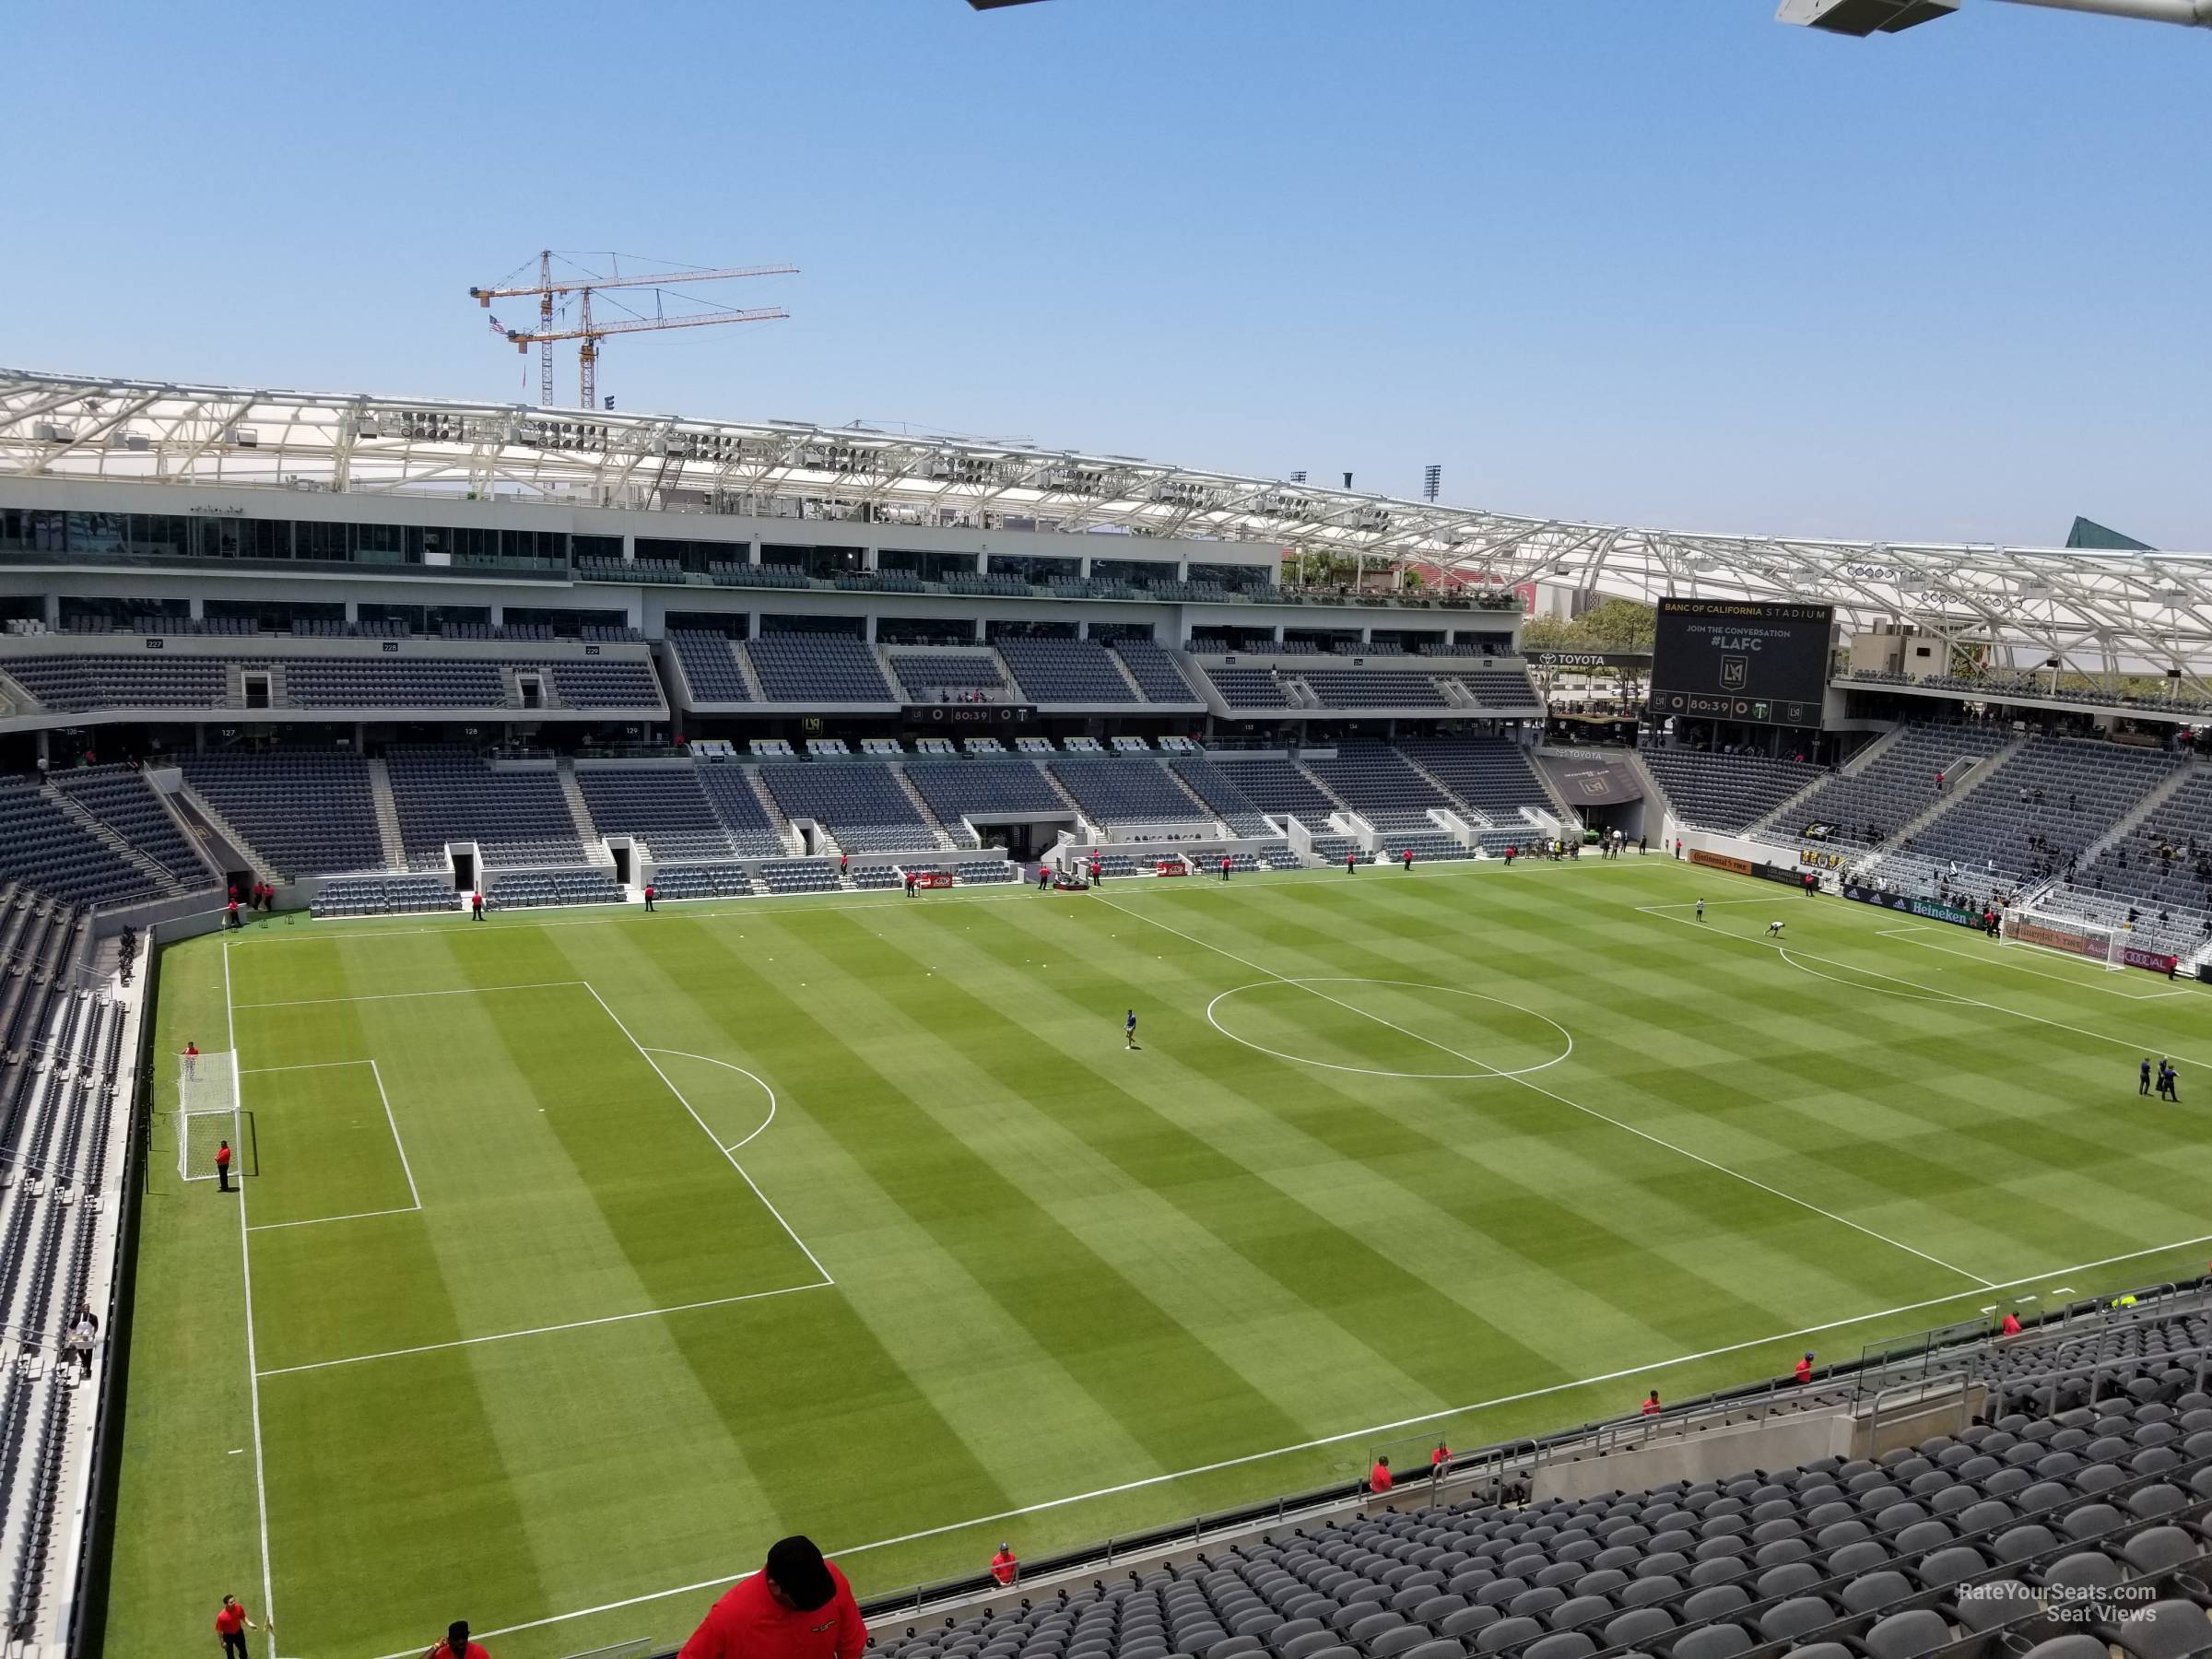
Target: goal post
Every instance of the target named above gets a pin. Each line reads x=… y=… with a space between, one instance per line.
x=208 y=1114
x=2068 y=936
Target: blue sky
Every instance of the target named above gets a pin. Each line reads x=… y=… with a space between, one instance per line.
x=1662 y=261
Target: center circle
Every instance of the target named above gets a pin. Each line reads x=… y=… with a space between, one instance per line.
x=1457 y=1059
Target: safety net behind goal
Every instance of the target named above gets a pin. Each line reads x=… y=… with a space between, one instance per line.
x=2068 y=934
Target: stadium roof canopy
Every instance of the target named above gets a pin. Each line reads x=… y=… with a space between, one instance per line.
x=2097 y=611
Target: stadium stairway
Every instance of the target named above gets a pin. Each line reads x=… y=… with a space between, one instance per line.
x=579 y=808
x=97 y=827
x=387 y=816
x=205 y=809
x=2140 y=813
x=1770 y=825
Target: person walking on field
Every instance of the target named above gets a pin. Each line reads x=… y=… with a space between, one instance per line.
x=2143 y=1077
x=222 y=1168
x=231 y=1623
x=1349 y=858
x=796 y=1607
x=652 y=893
x=476 y=905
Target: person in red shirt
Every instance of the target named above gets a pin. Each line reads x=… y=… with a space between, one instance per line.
x=845 y=864
x=1651 y=1406
x=796 y=1607
x=230 y=911
x=476 y=906
x=1225 y=868
x=1804 y=1373
x=1378 y=1477
x=1096 y=870
x=231 y=1623
x=222 y=1167
x=457 y=1645
x=2011 y=1327
x=1004 y=1567
x=1509 y=855
x=191 y=1059
x=652 y=893
x=1409 y=858
x=1438 y=1461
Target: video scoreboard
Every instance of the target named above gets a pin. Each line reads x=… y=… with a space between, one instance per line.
x=1741 y=659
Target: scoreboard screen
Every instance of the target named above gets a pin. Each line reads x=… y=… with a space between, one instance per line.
x=1740 y=659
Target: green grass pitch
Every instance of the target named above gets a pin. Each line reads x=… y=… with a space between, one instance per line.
x=591 y=1250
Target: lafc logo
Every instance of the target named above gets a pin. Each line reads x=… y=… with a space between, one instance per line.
x=1735 y=673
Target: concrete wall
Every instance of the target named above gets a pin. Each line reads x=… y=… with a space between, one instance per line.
x=1781 y=1443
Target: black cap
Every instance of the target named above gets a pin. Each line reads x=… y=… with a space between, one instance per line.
x=797 y=1569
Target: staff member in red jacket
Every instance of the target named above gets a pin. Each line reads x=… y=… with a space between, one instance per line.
x=1378 y=1477
x=457 y=1645
x=231 y=1623
x=1804 y=1372
x=1004 y=1567
x=796 y=1607
x=222 y=1167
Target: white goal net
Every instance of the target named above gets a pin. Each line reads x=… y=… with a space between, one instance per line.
x=2068 y=936
x=207 y=1115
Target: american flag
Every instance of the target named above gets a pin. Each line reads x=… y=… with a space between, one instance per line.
x=499 y=329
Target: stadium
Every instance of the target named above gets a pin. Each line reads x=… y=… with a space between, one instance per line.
x=580 y=987
x=634 y=1035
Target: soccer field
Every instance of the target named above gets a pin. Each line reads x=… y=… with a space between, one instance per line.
x=589 y=1251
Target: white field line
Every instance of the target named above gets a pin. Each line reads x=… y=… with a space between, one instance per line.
x=397 y=1146
x=1332 y=1440
x=1692 y=904
x=245 y=1261
x=1996 y=958
x=313 y=1002
x=1553 y=1095
x=251 y=1071
x=646 y=1054
x=730 y=1066
x=2057 y=1025
x=573 y=1324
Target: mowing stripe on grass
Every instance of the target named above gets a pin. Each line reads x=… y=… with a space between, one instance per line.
x=1562 y=1099
x=723 y=1579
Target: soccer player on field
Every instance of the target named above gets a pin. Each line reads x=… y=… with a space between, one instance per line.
x=797 y=1607
x=2143 y=1077
x=1774 y=928
x=1129 y=1028
x=1701 y=910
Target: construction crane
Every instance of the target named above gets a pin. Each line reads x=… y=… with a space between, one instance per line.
x=547 y=289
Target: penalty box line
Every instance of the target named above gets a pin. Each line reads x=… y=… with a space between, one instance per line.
x=1548 y=1094
x=1322 y=1442
x=728 y=1153
x=399 y=1145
